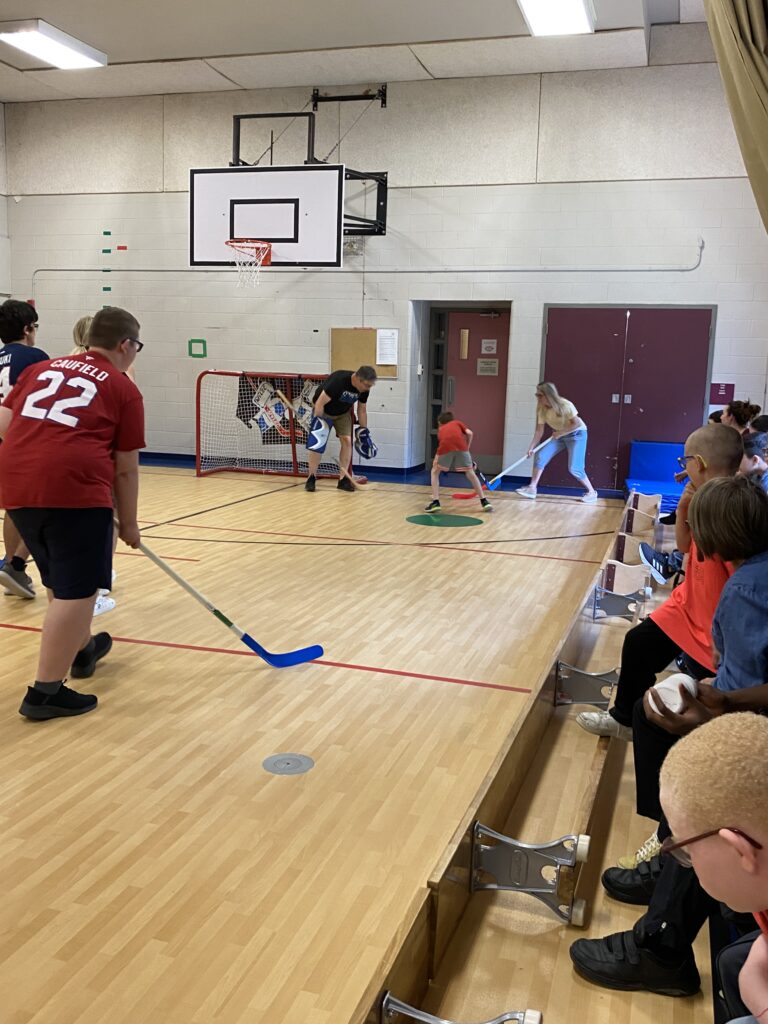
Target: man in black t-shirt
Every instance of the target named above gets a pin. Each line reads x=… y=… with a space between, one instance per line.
x=334 y=400
x=18 y=332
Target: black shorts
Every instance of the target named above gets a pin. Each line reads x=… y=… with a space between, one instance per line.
x=72 y=547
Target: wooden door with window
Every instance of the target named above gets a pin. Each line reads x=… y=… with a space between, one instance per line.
x=476 y=380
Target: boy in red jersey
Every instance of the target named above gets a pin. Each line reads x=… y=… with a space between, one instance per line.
x=453 y=441
x=71 y=430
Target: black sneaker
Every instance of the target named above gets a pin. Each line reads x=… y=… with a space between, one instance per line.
x=663 y=566
x=670 y=519
x=485 y=505
x=619 y=961
x=310 y=484
x=345 y=485
x=633 y=885
x=84 y=664
x=64 y=703
x=433 y=506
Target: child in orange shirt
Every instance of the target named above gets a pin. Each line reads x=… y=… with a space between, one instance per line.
x=453 y=441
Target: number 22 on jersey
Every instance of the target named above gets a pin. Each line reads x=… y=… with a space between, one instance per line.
x=56 y=412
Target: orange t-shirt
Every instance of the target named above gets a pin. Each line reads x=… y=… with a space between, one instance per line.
x=452 y=437
x=686 y=617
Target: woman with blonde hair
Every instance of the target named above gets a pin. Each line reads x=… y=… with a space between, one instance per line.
x=569 y=433
x=80 y=335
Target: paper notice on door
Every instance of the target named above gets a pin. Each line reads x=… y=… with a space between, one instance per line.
x=488 y=346
x=487 y=367
x=386 y=346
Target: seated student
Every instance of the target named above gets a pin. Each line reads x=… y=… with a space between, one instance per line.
x=755 y=461
x=682 y=625
x=729 y=520
x=716 y=416
x=759 y=425
x=71 y=429
x=18 y=332
x=739 y=415
x=713 y=787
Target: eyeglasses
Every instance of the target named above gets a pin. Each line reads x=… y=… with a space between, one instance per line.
x=683 y=461
x=139 y=344
x=678 y=849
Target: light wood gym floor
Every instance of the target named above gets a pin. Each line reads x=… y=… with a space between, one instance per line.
x=154 y=872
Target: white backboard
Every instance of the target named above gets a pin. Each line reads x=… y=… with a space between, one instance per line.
x=298 y=209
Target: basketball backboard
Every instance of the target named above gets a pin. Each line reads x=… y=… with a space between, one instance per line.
x=299 y=209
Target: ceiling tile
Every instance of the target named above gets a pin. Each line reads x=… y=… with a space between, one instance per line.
x=681 y=44
x=322 y=67
x=524 y=55
x=16 y=87
x=692 y=10
x=134 y=79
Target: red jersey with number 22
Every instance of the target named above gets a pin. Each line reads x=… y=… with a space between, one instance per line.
x=70 y=416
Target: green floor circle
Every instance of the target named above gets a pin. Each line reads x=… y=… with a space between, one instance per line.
x=443 y=519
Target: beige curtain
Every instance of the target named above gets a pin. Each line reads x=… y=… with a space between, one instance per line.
x=739 y=30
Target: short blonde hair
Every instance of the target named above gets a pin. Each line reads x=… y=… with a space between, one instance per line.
x=80 y=335
x=717 y=775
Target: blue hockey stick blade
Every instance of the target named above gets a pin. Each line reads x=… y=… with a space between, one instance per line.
x=494 y=485
x=283 y=660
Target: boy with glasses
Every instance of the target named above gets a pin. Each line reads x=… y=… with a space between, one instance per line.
x=72 y=429
x=713 y=786
x=18 y=332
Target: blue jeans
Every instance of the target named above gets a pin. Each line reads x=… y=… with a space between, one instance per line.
x=576 y=446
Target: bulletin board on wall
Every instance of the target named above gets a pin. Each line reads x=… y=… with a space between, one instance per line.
x=352 y=347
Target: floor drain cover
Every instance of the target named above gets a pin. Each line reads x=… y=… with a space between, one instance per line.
x=288 y=764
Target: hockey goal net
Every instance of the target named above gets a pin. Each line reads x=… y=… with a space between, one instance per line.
x=257 y=423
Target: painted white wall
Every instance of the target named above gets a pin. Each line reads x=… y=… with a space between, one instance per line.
x=516 y=171
x=285 y=323
x=5 y=242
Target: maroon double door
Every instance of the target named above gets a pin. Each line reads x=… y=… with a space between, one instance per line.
x=634 y=374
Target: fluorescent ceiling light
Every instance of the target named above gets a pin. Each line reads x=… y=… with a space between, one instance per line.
x=49 y=44
x=558 y=17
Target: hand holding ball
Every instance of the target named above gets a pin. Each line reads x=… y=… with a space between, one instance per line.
x=667 y=692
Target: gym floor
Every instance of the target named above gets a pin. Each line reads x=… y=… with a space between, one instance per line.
x=154 y=871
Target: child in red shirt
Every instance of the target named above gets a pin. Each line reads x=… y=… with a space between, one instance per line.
x=453 y=441
x=71 y=430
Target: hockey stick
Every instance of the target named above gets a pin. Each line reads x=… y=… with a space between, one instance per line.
x=275 y=660
x=466 y=495
x=290 y=405
x=496 y=482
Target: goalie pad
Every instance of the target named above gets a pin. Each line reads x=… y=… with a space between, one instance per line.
x=364 y=445
x=319 y=432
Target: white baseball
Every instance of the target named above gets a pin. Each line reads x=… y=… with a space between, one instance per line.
x=668 y=691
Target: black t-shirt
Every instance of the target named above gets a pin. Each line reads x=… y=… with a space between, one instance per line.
x=15 y=356
x=342 y=393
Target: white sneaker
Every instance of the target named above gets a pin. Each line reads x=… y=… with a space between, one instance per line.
x=600 y=723
x=103 y=604
x=650 y=848
x=590 y=498
x=526 y=492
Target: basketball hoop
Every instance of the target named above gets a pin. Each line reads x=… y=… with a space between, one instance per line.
x=250 y=256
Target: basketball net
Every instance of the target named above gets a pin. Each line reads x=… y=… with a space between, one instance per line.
x=250 y=256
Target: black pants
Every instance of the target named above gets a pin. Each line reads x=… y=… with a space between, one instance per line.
x=647 y=650
x=650 y=746
x=729 y=963
x=678 y=908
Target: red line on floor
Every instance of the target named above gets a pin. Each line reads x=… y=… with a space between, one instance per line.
x=512 y=554
x=168 y=558
x=385 y=543
x=320 y=661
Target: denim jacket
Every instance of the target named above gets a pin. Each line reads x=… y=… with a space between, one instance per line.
x=740 y=627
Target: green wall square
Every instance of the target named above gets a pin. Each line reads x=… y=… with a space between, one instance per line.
x=197 y=348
